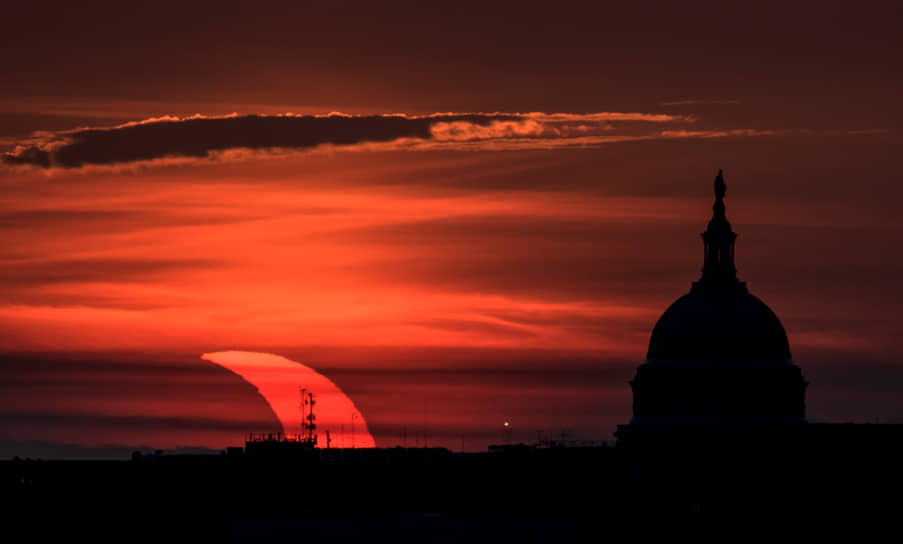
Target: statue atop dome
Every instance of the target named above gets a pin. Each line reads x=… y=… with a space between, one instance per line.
x=720 y=186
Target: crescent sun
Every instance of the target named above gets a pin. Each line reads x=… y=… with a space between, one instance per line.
x=278 y=380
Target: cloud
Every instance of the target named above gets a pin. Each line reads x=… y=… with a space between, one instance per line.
x=717 y=133
x=94 y=269
x=699 y=102
x=200 y=137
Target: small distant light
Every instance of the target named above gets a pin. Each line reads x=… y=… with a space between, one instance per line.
x=506 y=424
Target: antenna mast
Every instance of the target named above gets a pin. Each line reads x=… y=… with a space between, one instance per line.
x=307 y=420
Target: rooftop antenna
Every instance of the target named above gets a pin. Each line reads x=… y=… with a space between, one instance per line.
x=303 y=392
x=307 y=421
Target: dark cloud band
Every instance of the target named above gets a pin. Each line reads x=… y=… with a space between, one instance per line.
x=198 y=137
x=201 y=137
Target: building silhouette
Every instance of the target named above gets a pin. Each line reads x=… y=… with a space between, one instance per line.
x=718 y=372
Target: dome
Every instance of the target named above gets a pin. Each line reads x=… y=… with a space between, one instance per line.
x=718 y=364
x=713 y=324
x=718 y=319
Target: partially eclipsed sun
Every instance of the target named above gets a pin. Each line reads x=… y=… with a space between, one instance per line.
x=278 y=379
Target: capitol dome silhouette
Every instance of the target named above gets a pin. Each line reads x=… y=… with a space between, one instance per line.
x=718 y=369
x=725 y=326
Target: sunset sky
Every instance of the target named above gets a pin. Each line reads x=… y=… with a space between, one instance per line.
x=460 y=214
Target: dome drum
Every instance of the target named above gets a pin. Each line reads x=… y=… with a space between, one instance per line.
x=685 y=392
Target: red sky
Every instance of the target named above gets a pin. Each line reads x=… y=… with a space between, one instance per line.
x=482 y=268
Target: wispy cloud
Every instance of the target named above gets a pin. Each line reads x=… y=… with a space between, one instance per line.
x=696 y=102
x=718 y=133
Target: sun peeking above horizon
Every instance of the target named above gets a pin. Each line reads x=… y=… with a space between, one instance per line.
x=278 y=380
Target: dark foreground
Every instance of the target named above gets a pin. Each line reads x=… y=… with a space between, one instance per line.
x=513 y=494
